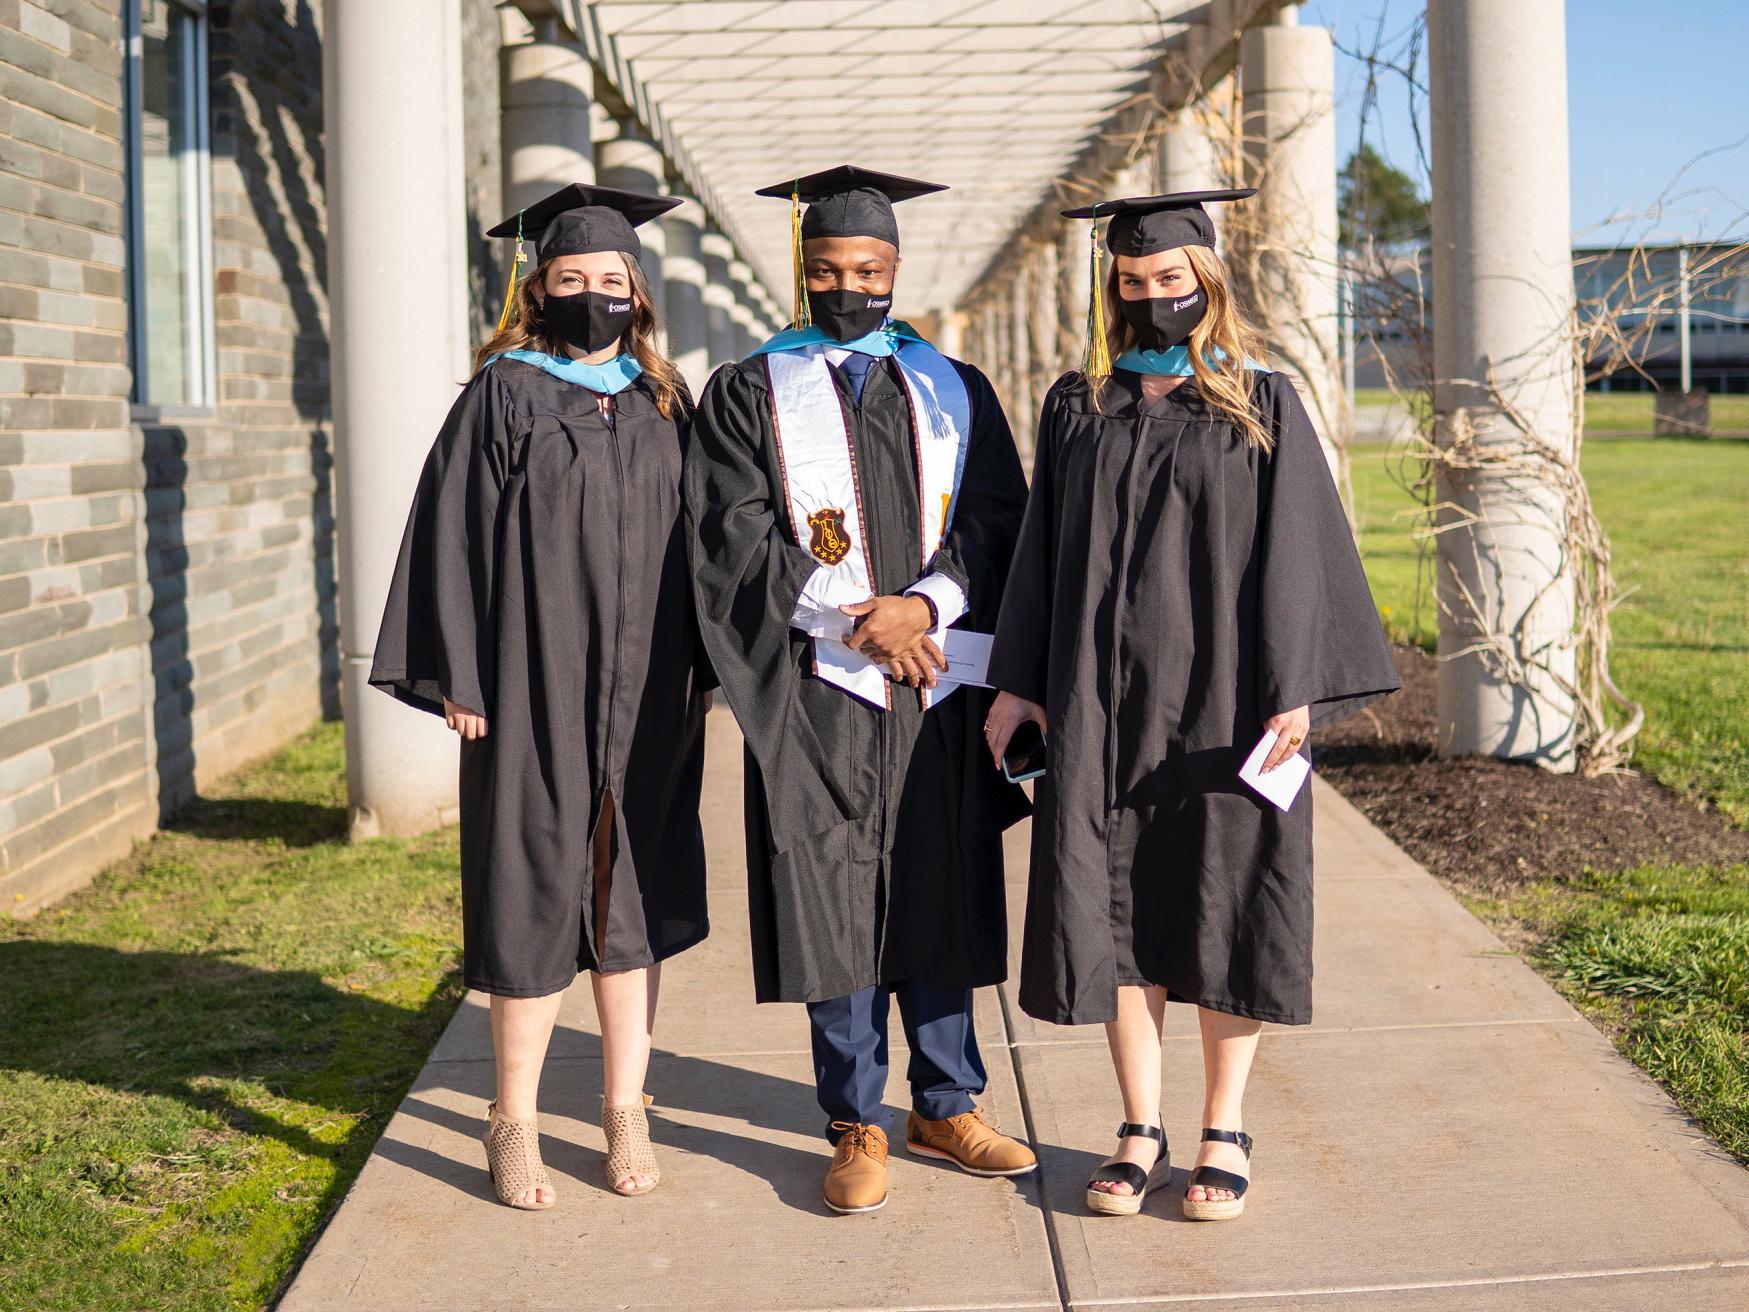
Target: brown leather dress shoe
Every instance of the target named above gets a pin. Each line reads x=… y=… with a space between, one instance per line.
x=970 y=1143
x=857 y=1178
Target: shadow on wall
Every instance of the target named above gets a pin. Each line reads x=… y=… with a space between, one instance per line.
x=166 y=459
x=267 y=119
x=276 y=136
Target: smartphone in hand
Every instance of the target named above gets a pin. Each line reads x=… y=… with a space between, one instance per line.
x=1025 y=757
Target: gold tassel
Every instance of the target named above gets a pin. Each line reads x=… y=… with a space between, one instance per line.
x=800 y=316
x=1097 y=362
x=515 y=269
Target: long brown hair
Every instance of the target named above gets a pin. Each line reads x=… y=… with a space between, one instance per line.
x=1222 y=379
x=528 y=330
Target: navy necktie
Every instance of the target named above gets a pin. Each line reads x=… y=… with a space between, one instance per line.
x=856 y=366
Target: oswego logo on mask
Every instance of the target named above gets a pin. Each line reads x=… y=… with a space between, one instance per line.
x=590 y=321
x=1162 y=321
x=846 y=316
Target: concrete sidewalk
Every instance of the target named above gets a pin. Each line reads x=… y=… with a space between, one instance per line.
x=1450 y=1134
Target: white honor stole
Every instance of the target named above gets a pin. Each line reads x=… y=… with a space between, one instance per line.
x=822 y=489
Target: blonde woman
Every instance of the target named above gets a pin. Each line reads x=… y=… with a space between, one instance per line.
x=542 y=605
x=1185 y=584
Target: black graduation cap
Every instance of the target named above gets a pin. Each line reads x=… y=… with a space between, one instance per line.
x=850 y=201
x=847 y=201
x=579 y=218
x=1144 y=225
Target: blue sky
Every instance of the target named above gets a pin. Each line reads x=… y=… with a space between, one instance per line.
x=1648 y=88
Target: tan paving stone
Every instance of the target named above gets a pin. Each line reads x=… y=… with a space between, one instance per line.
x=1449 y=1136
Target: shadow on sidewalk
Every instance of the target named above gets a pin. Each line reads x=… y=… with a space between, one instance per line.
x=764 y=1102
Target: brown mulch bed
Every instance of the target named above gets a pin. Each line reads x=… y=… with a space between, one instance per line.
x=1486 y=825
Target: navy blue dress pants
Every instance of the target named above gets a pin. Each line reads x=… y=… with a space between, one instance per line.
x=850 y=1053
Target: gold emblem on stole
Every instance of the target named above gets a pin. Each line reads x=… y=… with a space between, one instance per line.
x=829 y=543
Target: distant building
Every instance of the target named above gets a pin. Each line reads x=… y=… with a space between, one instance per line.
x=1638 y=288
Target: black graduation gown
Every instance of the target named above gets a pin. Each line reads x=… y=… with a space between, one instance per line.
x=543 y=582
x=1173 y=588
x=874 y=850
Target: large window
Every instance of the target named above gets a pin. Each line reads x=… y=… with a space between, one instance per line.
x=169 y=228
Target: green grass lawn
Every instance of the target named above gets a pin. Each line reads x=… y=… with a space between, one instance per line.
x=1613 y=413
x=1677 y=513
x=1657 y=956
x=199 y=1051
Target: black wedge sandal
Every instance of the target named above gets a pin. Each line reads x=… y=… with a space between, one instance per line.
x=1212 y=1177
x=1129 y=1173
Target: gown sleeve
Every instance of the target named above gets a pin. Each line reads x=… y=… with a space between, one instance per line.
x=437 y=636
x=704 y=674
x=747 y=576
x=1319 y=640
x=1019 y=656
x=979 y=545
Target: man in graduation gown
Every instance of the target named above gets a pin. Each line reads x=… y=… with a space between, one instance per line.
x=853 y=494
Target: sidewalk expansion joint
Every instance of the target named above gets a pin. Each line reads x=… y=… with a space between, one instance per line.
x=1316 y=1032
x=1408 y=1286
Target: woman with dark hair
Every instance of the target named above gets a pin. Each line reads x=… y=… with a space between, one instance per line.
x=542 y=605
x=1185 y=594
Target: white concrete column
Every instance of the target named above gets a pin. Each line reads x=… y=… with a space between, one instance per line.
x=683 y=278
x=628 y=159
x=1286 y=81
x=771 y=319
x=392 y=92
x=1188 y=159
x=1019 y=325
x=1135 y=178
x=719 y=297
x=742 y=315
x=952 y=340
x=1074 y=281
x=999 y=348
x=1047 y=360
x=547 y=86
x=1503 y=298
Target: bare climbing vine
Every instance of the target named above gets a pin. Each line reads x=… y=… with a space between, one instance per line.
x=1610 y=332
x=1387 y=292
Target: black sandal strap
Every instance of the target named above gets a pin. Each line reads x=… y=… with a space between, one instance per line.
x=1212 y=1177
x=1228 y=1136
x=1129 y=1173
x=1121 y=1173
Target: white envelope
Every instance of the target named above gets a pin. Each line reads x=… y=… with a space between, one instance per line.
x=968 y=656
x=968 y=661
x=1282 y=784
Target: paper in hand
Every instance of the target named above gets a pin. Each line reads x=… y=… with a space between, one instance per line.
x=968 y=661
x=1282 y=784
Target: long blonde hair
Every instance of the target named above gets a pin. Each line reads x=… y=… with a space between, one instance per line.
x=1222 y=379
x=528 y=330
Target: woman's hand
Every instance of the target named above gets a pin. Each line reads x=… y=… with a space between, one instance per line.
x=465 y=722
x=1007 y=714
x=1291 y=728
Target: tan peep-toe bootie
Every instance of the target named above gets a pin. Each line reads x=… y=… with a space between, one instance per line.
x=629 y=1150
x=513 y=1158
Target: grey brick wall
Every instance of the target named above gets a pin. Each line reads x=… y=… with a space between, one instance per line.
x=167 y=587
x=76 y=781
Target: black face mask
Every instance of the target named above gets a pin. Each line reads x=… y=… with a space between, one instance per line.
x=845 y=316
x=590 y=321
x=1163 y=321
